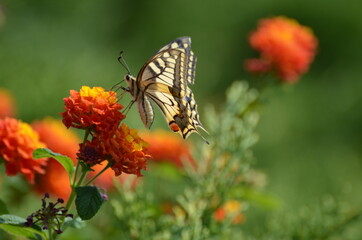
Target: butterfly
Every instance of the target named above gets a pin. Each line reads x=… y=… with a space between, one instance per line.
x=164 y=79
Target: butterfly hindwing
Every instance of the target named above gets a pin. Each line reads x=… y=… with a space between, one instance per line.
x=179 y=111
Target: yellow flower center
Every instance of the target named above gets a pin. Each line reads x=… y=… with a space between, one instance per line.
x=26 y=130
x=98 y=92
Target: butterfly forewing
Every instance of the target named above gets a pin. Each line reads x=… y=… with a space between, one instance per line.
x=164 y=79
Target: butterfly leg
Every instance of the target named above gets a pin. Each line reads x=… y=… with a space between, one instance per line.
x=126 y=109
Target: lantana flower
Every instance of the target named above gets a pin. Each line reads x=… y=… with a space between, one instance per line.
x=97 y=111
x=7 y=102
x=61 y=140
x=167 y=147
x=17 y=143
x=128 y=151
x=92 y=108
x=124 y=150
x=286 y=47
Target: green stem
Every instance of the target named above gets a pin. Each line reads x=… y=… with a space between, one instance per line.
x=95 y=177
x=73 y=184
x=81 y=179
x=50 y=234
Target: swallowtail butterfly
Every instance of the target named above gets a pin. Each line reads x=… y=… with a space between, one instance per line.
x=164 y=79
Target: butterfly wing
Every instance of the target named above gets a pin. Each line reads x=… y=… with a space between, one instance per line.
x=165 y=78
x=180 y=112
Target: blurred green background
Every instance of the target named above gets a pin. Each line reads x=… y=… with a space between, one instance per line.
x=310 y=133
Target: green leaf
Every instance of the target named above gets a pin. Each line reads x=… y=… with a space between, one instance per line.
x=88 y=201
x=15 y=225
x=3 y=207
x=66 y=162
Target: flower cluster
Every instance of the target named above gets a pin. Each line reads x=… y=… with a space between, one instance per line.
x=92 y=108
x=17 y=143
x=286 y=47
x=49 y=216
x=97 y=111
x=124 y=149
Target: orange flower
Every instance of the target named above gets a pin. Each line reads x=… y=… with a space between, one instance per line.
x=231 y=208
x=58 y=139
x=285 y=46
x=123 y=148
x=167 y=147
x=17 y=143
x=7 y=108
x=126 y=151
x=55 y=181
x=92 y=108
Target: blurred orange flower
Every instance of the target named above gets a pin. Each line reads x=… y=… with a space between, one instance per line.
x=92 y=108
x=106 y=179
x=167 y=147
x=231 y=208
x=7 y=106
x=60 y=140
x=286 y=47
x=17 y=143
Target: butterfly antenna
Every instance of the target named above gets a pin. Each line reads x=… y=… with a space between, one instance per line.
x=123 y=62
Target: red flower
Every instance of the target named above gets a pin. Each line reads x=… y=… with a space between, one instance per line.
x=7 y=108
x=17 y=143
x=126 y=151
x=92 y=108
x=58 y=139
x=167 y=147
x=285 y=46
x=123 y=149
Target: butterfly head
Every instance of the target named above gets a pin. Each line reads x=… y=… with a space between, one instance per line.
x=131 y=84
x=129 y=79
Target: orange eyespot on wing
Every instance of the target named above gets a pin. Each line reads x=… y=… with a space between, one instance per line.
x=174 y=127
